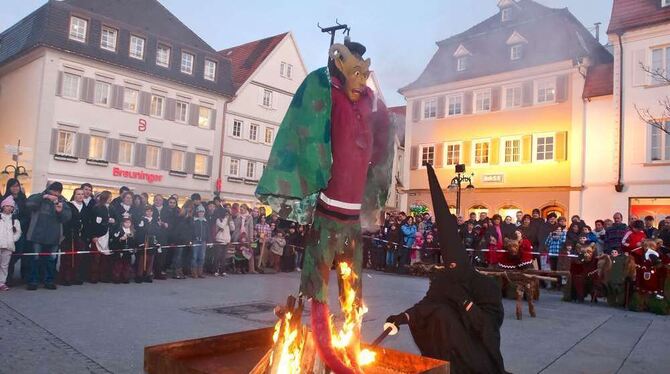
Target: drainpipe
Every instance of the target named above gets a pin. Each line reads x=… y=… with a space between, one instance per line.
x=223 y=135
x=619 y=184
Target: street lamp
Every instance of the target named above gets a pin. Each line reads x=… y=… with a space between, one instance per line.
x=17 y=170
x=457 y=182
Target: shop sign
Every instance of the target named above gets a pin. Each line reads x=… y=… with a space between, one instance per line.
x=139 y=175
x=492 y=178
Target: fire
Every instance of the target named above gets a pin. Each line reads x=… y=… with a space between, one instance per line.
x=289 y=340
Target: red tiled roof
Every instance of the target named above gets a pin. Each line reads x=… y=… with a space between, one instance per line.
x=630 y=14
x=399 y=110
x=553 y=35
x=599 y=81
x=246 y=58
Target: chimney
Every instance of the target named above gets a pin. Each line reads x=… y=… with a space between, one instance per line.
x=597 y=26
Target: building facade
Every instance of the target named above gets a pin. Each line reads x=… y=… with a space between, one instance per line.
x=628 y=161
x=504 y=98
x=266 y=73
x=101 y=95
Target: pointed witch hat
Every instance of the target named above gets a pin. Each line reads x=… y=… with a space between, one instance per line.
x=454 y=255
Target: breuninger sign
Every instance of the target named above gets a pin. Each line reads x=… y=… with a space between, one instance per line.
x=140 y=175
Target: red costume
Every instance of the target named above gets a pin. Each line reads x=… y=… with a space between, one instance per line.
x=522 y=259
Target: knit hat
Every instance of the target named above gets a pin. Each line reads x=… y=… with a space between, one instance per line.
x=56 y=187
x=200 y=208
x=8 y=201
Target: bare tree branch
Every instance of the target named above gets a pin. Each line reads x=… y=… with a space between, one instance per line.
x=662 y=121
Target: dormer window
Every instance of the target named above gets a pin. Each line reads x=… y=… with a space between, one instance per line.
x=462 y=63
x=462 y=54
x=505 y=14
x=516 y=51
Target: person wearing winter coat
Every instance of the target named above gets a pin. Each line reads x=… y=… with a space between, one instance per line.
x=162 y=216
x=10 y=233
x=394 y=239
x=409 y=235
x=183 y=234
x=199 y=240
x=22 y=214
x=147 y=231
x=222 y=240
x=124 y=208
x=122 y=240
x=277 y=245
x=99 y=260
x=244 y=223
x=49 y=211
x=288 y=258
x=73 y=240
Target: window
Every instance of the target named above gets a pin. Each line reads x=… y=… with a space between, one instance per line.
x=665 y=3
x=136 y=47
x=65 y=144
x=515 y=52
x=269 y=135
x=430 y=108
x=289 y=71
x=201 y=164
x=153 y=157
x=187 y=63
x=544 y=148
x=237 y=129
x=101 y=96
x=481 y=150
x=512 y=149
x=71 y=86
x=513 y=97
x=455 y=105
x=462 y=63
x=506 y=14
x=157 y=105
x=210 y=70
x=660 y=64
x=267 y=98
x=483 y=101
x=234 y=168
x=163 y=56
x=253 y=132
x=453 y=154
x=286 y=70
x=96 y=148
x=177 y=161
x=125 y=152
x=251 y=169
x=130 y=97
x=181 y=112
x=427 y=155
x=204 y=117
x=660 y=144
x=78 y=29
x=546 y=91
x=108 y=38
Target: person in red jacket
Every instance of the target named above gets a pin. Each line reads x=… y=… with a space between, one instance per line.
x=634 y=237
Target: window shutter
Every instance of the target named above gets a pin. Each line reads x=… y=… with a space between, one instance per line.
x=166 y=158
x=527 y=93
x=441 y=105
x=495 y=99
x=639 y=75
x=54 y=141
x=526 y=149
x=170 y=108
x=140 y=155
x=416 y=110
x=414 y=158
x=88 y=90
x=495 y=151
x=467 y=102
x=210 y=161
x=561 y=146
x=190 y=162
x=561 y=88
x=438 y=162
x=465 y=152
x=83 y=144
x=113 y=151
x=117 y=96
x=212 y=120
x=145 y=103
x=59 y=85
x=194 y=114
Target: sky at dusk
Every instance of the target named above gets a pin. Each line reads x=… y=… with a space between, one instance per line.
x=400 y=35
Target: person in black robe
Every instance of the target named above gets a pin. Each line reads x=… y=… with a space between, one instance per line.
x=460 y=317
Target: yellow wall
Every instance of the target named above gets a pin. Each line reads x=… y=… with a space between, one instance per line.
x=516 y=122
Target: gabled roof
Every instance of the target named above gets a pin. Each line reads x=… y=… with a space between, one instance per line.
x=599 y=81
x=48 y=26
x=631 y=14
x=246 y=58
x=553 y=35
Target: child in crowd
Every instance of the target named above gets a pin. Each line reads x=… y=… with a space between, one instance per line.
x=277 y=245
x=147 y=237
x=415 y=255
x=10 y=233
x=200 y=239
x=122 y=238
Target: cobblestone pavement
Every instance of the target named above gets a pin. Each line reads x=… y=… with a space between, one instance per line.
x=103 y=328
